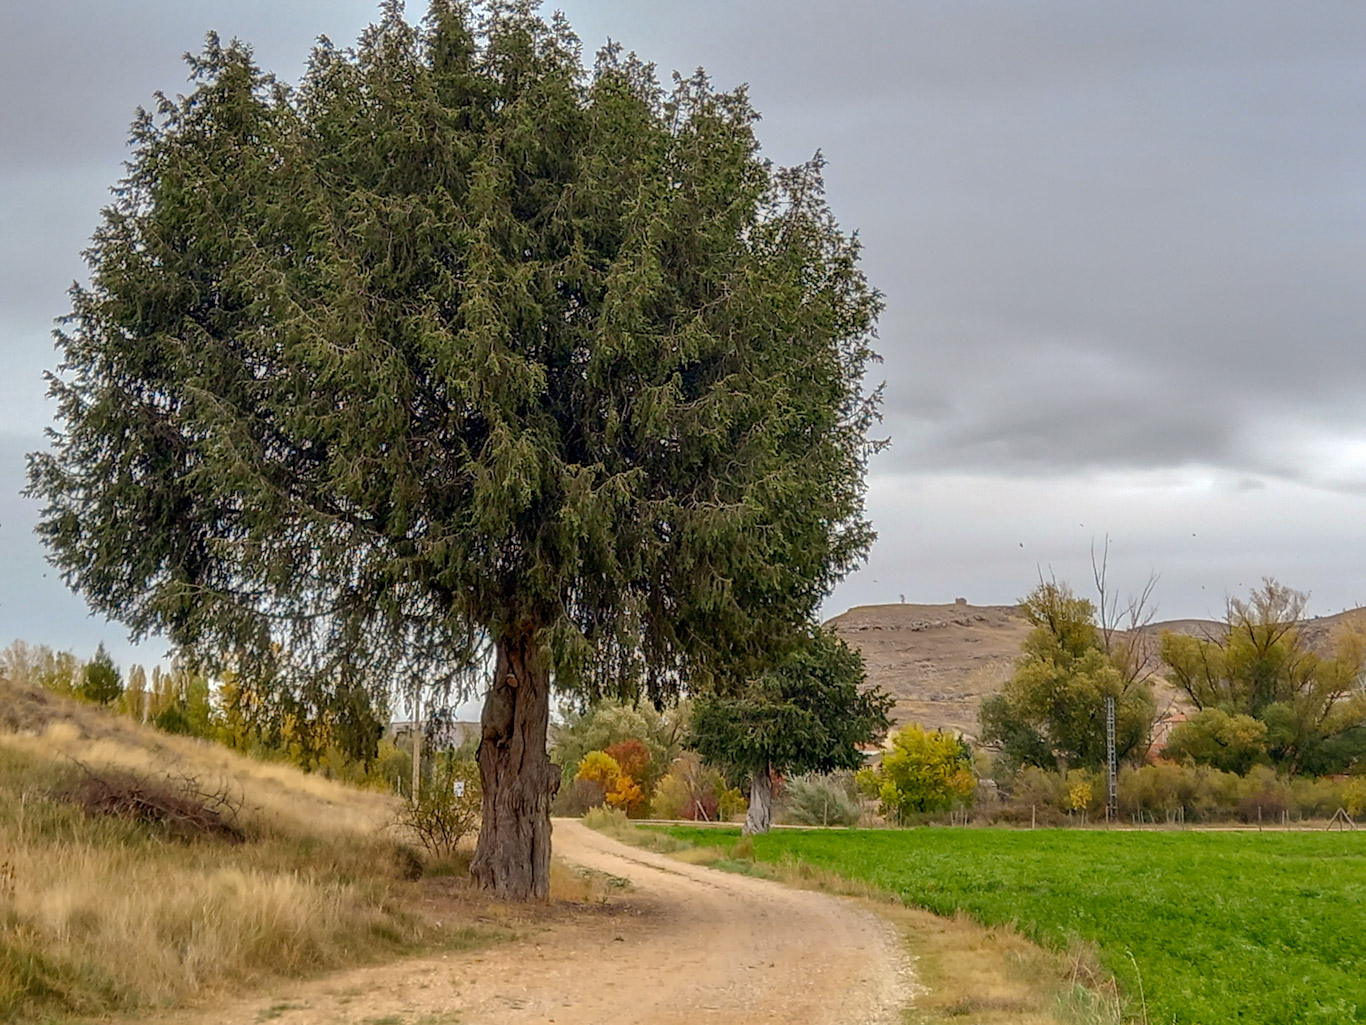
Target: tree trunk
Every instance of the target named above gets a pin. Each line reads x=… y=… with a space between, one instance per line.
x=759 y=818
x=512 y=859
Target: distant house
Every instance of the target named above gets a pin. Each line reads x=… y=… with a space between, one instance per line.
x=1162 y=731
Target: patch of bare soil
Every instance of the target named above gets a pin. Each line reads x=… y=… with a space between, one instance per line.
x=682 y=944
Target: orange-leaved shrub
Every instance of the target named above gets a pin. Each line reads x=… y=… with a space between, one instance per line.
x=600 y=770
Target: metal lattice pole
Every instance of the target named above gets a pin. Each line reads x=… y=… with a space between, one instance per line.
x=1112 y=788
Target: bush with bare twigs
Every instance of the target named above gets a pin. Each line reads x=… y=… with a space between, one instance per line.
x=177 y=806
x=447 y=808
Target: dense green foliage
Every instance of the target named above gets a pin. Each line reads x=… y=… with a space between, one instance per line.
x=807 y=714
x=1223 y=927
x=1233 y=743
x=489 y=346
x=100 y=680
x=925 y=771
x=457 y=346
x=1265 y=694
x=1051 y=712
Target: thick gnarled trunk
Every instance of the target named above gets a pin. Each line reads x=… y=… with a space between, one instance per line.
x=512 y=859
x=759 y=818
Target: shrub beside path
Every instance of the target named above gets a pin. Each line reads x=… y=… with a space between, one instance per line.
x=683 y=944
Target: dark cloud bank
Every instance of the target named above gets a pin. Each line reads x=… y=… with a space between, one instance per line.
x=1122 y=248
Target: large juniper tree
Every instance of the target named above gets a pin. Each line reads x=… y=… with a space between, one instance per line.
x=459 y=347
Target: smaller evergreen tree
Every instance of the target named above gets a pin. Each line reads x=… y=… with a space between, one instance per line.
x=809 y=714
x=100 y=682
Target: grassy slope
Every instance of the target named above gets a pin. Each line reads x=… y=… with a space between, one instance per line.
x=1223 y=927
x=100 y=915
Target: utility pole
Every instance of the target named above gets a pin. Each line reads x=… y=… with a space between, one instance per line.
x=417 y=743
x=1112 y=787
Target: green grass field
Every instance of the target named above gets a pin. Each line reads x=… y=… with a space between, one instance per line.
x=1266 y=928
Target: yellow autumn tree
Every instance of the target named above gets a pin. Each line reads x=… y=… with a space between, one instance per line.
x=625 y=794
x=1079 y=795
x=599 y=767
x=618 y=788
x=925 y=771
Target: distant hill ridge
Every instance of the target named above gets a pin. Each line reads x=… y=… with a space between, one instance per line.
x=939 y=661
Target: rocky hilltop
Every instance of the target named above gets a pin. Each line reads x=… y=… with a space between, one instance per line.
x=937 y=661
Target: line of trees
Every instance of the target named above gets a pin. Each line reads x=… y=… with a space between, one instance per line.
x=1258 y=702
x=1264 y=696
x=176 y=700
x=810 y=715
x=1257 y=691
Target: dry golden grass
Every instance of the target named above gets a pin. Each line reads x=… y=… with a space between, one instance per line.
x=574 y=885
x=100 y=915
x=277 y=795
x=997 y=977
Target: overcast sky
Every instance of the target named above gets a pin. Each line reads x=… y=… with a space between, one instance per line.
x=1123 y=248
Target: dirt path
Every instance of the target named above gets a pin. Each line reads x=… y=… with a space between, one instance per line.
x=684 y=944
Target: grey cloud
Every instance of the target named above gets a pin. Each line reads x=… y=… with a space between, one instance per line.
x=82 y=67
x=1050 y=409
x=1177 y=185
x=74 y=72
x=1112 y=237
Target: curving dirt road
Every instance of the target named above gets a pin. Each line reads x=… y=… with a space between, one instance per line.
x=684 y=944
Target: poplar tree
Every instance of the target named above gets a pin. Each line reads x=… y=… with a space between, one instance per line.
x=460 y=349
x=1051 y=712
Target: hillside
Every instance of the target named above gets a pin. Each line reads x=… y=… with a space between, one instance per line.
x=141 y=870
x=940 y=661
x=937 y=661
